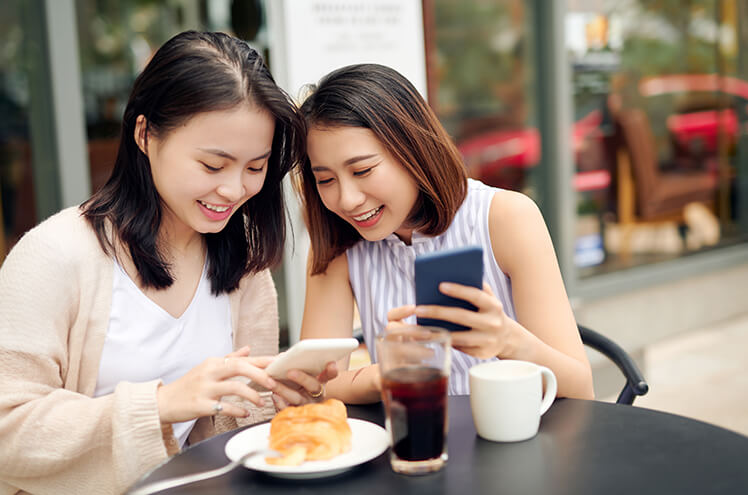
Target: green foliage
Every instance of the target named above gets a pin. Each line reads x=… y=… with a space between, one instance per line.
x=478 y=49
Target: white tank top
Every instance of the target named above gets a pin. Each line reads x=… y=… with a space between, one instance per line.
x=144 y=342
x=381 y=274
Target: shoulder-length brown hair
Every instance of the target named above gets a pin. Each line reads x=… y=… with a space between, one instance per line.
x=379 y=98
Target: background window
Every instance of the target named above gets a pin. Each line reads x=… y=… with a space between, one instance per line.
x=17 y=193
x=481 y=87
x=658 y=106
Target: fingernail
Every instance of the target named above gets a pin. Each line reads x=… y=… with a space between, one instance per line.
x=445 y=286
x=271 y=383
x=420 y=311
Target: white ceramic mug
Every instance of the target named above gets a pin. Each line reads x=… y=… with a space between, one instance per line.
x=507 y=398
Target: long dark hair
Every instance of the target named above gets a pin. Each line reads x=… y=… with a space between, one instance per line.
x=382 y=100
x=190 y=74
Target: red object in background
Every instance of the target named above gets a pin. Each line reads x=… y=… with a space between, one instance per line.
x=501 y=158
x=591 y=180
x=701 y=127
x=520 y=149
x=683 y=83
x=698 y=128
x=586 y=127
x=492 y=150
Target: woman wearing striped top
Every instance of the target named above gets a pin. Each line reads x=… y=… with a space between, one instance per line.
x=382 y=182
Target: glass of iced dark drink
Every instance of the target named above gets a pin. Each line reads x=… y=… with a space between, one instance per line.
x=414 y=362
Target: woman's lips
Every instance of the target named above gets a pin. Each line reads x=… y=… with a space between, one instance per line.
x=369 y=218
x=215 y=212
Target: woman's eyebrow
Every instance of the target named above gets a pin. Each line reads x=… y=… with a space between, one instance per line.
x=359 y=158
x=262 y=156
x=225 y=154
x=350 y=161
x=218 y=152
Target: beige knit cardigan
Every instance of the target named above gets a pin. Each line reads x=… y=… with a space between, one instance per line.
x=55 y=299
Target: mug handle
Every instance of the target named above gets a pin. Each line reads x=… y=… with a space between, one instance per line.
x=550 y=389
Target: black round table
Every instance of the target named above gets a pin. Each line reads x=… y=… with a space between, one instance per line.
x=582 y=447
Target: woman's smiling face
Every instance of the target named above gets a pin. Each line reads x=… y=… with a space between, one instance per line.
x=206 y=169
x=361 y=182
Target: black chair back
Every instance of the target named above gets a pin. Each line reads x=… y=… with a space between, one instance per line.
x=635 y=383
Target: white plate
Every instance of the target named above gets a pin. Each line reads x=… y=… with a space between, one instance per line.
x=368 y=440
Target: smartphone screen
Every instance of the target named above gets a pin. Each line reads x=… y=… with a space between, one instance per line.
x=462 y=265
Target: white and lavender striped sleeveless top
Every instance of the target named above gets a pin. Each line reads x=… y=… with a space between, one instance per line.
x=381 y=274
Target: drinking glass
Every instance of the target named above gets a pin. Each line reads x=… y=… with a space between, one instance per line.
x=414 y=362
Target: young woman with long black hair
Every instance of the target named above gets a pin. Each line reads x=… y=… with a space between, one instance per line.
x=125 y=321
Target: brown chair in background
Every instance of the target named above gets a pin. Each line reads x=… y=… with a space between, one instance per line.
x=653 y=194
x=645 y=193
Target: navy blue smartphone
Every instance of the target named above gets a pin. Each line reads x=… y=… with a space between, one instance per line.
x=462 y=265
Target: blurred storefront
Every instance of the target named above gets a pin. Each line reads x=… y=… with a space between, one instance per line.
x=625 y=120
x=658 y=104
x=638 y=134
x=105 y=43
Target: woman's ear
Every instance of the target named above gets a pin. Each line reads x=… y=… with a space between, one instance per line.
x=141 y=133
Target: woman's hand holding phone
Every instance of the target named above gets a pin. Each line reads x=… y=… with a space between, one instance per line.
x=300 y=388
x=490 y=331
x=304 y=369
x=199 y=391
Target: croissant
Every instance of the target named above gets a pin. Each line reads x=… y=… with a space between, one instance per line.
x=312 y=432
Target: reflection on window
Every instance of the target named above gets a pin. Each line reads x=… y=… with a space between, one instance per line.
x=659 y=85
x=118 y=37
x=659 y=98
x=17 y=203
x=480 y=85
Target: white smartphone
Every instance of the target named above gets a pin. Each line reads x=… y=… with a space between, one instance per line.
x=310 y=356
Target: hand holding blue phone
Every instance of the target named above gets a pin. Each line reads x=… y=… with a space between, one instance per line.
x=463 y=265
